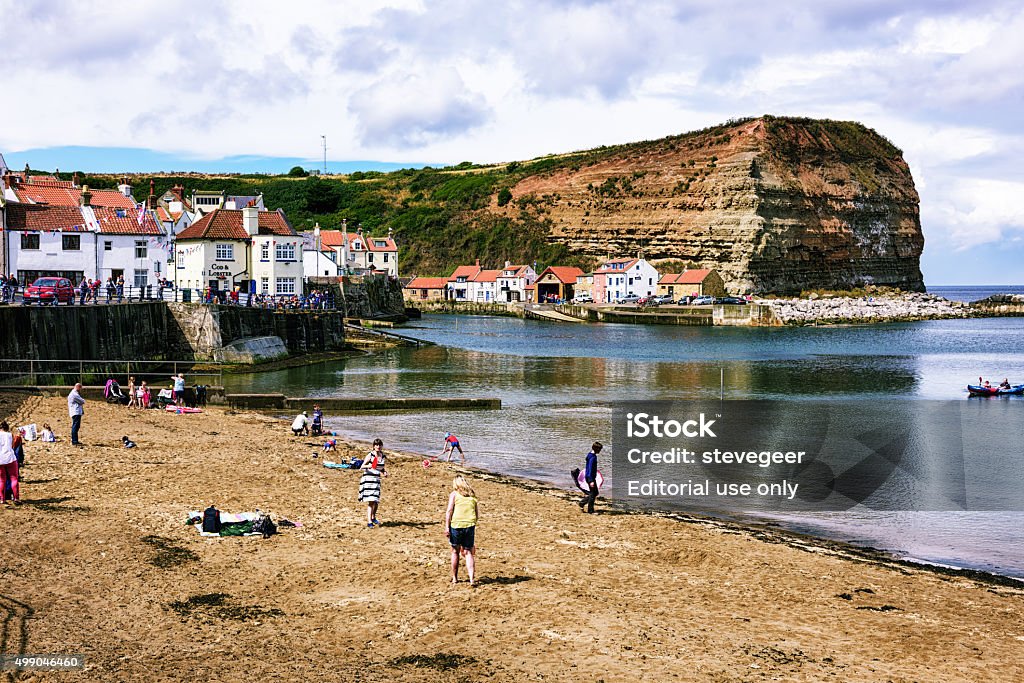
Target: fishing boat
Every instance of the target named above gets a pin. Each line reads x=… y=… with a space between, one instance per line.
x=979 y=390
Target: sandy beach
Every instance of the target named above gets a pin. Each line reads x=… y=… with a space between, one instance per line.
x=98 y=561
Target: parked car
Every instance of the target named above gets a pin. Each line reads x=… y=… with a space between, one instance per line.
x=582 y=299
x=703 y=301
x=731 y=301
x=663 y=299
x=628 y=299
x=685 y=301
x=50 y=290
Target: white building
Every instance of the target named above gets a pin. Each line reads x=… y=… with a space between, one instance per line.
x=361 y=254
x=318 y=260
x=512 y=282
x=255 y=251
x=461 y=285
x=624 y=277
x=55 y=228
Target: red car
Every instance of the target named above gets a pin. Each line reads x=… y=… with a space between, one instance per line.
x=50 y=290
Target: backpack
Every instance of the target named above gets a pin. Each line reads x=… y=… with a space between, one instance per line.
x=264 y=525
x=211 y=520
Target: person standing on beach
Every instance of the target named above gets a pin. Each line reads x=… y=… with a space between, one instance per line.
x=76 y=408
x=369 y=483
x=179 y=389
x=133 y=399
x=460 y=527
x=8 y=466
x=590 y=476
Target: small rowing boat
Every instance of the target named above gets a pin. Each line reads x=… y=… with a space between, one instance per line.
x=979 y=390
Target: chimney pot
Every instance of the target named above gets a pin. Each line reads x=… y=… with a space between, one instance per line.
x=251 y=220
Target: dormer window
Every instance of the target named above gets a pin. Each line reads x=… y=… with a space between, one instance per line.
x=380 y=243
x=357 y=245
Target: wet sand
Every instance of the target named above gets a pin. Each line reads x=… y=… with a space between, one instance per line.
x=98 y=561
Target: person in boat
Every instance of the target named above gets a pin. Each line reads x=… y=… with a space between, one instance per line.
x=1005 y=384
x=985 y=383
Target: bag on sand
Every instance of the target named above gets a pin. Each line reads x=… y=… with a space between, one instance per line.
x=30 y=432
x=211 y=520
x=264 y=525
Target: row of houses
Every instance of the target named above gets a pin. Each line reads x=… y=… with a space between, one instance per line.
x=206 y=239
x=615 y=279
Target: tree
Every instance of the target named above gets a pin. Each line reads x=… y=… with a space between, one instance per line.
x=298 y=172
x=321 y=196
x=504 y=196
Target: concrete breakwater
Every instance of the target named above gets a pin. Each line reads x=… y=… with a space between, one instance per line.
x=873 y=309
x=282 y=402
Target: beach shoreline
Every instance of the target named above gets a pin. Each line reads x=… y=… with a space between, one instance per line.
x=619 y=595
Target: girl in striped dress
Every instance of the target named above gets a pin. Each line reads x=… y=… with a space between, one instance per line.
x=369 y=482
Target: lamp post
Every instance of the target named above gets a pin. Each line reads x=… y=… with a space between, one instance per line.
x=324 y=138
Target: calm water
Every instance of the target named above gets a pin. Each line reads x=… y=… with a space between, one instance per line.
x=557 y=383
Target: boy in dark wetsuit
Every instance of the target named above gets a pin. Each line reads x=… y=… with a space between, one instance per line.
x=590 y=475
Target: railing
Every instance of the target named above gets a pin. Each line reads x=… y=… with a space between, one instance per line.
x=104 y=295
x=16 y=371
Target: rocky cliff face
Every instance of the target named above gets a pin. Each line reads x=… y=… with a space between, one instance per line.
x=775 y=205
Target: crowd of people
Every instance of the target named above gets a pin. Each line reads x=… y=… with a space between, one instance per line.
x=316 y=300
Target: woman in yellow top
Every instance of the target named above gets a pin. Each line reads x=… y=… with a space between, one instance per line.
x=460 y=527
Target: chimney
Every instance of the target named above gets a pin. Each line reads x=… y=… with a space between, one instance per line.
x=251 y=220
x=7 y=179
x=507 y=264
x=478 y=263
x=74 y=179
x=86 y=196
x=359 y=230
x=316 y=235
x=152 y=194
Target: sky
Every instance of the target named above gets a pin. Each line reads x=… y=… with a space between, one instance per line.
x=176 y=85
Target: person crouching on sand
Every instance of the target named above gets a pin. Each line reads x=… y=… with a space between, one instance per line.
x=460 y=527
x=369 y=483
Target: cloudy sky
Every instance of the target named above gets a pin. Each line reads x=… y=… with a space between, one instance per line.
x=160 y=85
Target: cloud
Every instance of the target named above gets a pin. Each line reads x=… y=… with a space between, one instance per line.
x=412 y=111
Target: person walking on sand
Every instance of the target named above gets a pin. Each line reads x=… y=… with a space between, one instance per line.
x=8 y=466
x=369 y=482
x=590 y=476
x=451 y=442
x=76 y=408
x=460 y=527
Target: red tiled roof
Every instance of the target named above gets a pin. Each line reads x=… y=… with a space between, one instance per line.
x=564 y=274
x=42 y=218
x=227 y=224
x=428 y=283
x=689 y=277
x=468 y=272
x=516 y=270
x=331 y=238
x=70 y=196
x=124 y=222
x=627 y=264
x=49 y=181
x=162 y=214
x=487 y=276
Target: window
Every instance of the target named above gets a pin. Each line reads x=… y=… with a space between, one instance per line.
x=285 y=252
x=181 y=259
x=107 y=245
x=369 y=258
x=285 y=285
x=71 y=242
x=140 y=249
x=141 y=278
x=265 y=251
x=380 y=243
x=225 y=252
x=156 y=268
x=29 y=241
x=357 y=245
x=385 y=257
x=265 y=285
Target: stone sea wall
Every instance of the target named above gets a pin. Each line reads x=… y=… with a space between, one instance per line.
x=1000 y=305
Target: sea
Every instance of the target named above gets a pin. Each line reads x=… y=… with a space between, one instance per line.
x=558 y=383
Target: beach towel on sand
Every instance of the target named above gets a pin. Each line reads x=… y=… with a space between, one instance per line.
x=231 y=524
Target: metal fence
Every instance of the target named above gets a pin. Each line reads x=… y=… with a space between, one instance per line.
x=16 y=371
x=104 y=296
